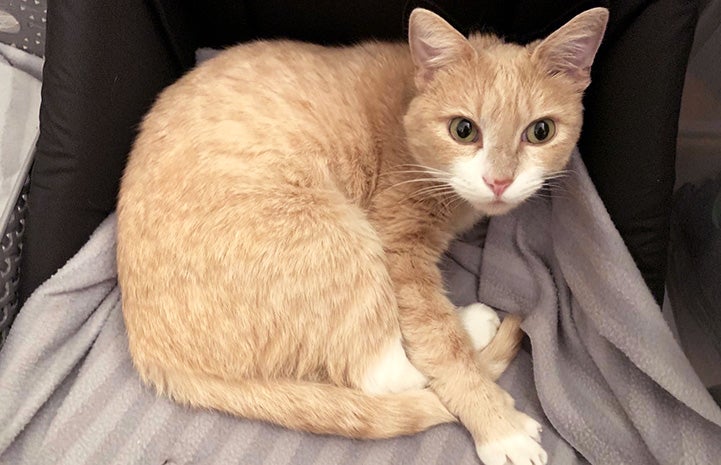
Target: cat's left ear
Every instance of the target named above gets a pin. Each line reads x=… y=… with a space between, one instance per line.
x=434 y=44
x=570 y=50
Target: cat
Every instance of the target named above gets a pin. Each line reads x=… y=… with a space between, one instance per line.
x=284 y=208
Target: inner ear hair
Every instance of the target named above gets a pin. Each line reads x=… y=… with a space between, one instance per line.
x=434 y=43
x=571 y=49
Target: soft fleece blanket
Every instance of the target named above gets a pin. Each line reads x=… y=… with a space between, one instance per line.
x=604 y=374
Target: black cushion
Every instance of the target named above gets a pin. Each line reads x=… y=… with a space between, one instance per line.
x=106 y=61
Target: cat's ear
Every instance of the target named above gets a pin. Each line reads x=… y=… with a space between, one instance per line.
x=434 y=44
x=570 y=50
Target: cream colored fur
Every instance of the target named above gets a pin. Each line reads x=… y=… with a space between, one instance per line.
x=284 y=208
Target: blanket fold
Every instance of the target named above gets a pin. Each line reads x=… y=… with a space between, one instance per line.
x=599 y=341
x=604 y=374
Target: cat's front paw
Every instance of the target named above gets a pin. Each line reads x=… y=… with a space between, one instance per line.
x=514 y=441
x=481 y=323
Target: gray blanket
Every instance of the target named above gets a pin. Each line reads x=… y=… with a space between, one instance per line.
x=605 y=375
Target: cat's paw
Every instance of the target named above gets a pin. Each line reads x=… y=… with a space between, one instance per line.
x=480 y=322
x=515 y=441
x=392 y=372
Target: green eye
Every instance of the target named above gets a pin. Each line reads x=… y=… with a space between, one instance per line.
x=540 y=131
x=463 y=130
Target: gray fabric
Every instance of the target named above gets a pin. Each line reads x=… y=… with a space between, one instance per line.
x=608 y=372
x=609 y=376
x=19 y=124
x=19 y=129
x=23 y=61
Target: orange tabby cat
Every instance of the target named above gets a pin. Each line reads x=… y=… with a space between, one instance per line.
x=284 y=209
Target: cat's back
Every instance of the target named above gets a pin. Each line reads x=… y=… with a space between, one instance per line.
x=258 y=107
x=288 y=86
x=290 y=67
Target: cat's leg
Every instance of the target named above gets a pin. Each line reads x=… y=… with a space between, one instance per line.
x=494 y=345
x=437 y=345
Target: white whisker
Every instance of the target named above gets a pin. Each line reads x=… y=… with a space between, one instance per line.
x=415 y=172
x=409 y=181
x=425 y=168
x=440 y=188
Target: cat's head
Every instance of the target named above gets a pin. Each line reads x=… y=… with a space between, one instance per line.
x=494 y=120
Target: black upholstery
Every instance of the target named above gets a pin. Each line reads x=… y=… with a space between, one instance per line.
x=106 y=61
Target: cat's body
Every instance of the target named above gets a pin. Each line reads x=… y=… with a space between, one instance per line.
x=278 y=234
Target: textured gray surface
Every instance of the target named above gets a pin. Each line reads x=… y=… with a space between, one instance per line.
x=610 y=377
x=10 y=255
x=19 y=126
x=24 y=24
x=19 y=129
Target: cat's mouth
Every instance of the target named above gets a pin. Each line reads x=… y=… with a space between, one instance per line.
x=483 y=203
x=498 y=207
x=494 y=207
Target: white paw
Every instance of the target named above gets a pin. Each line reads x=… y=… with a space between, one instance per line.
x=481 y=323
x=518 y=448
x=392 y=372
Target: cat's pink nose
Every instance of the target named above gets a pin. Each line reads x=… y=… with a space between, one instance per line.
x=498 y=186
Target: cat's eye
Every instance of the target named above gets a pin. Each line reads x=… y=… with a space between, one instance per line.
x=463 y=130
x=540 y=131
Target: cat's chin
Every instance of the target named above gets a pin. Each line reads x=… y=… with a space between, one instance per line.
x=496 y=207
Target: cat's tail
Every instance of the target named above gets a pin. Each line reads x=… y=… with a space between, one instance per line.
x=502 y=349
x=306 y=406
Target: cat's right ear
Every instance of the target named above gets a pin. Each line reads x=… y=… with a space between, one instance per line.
x=570 y=50
x=434 y=44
